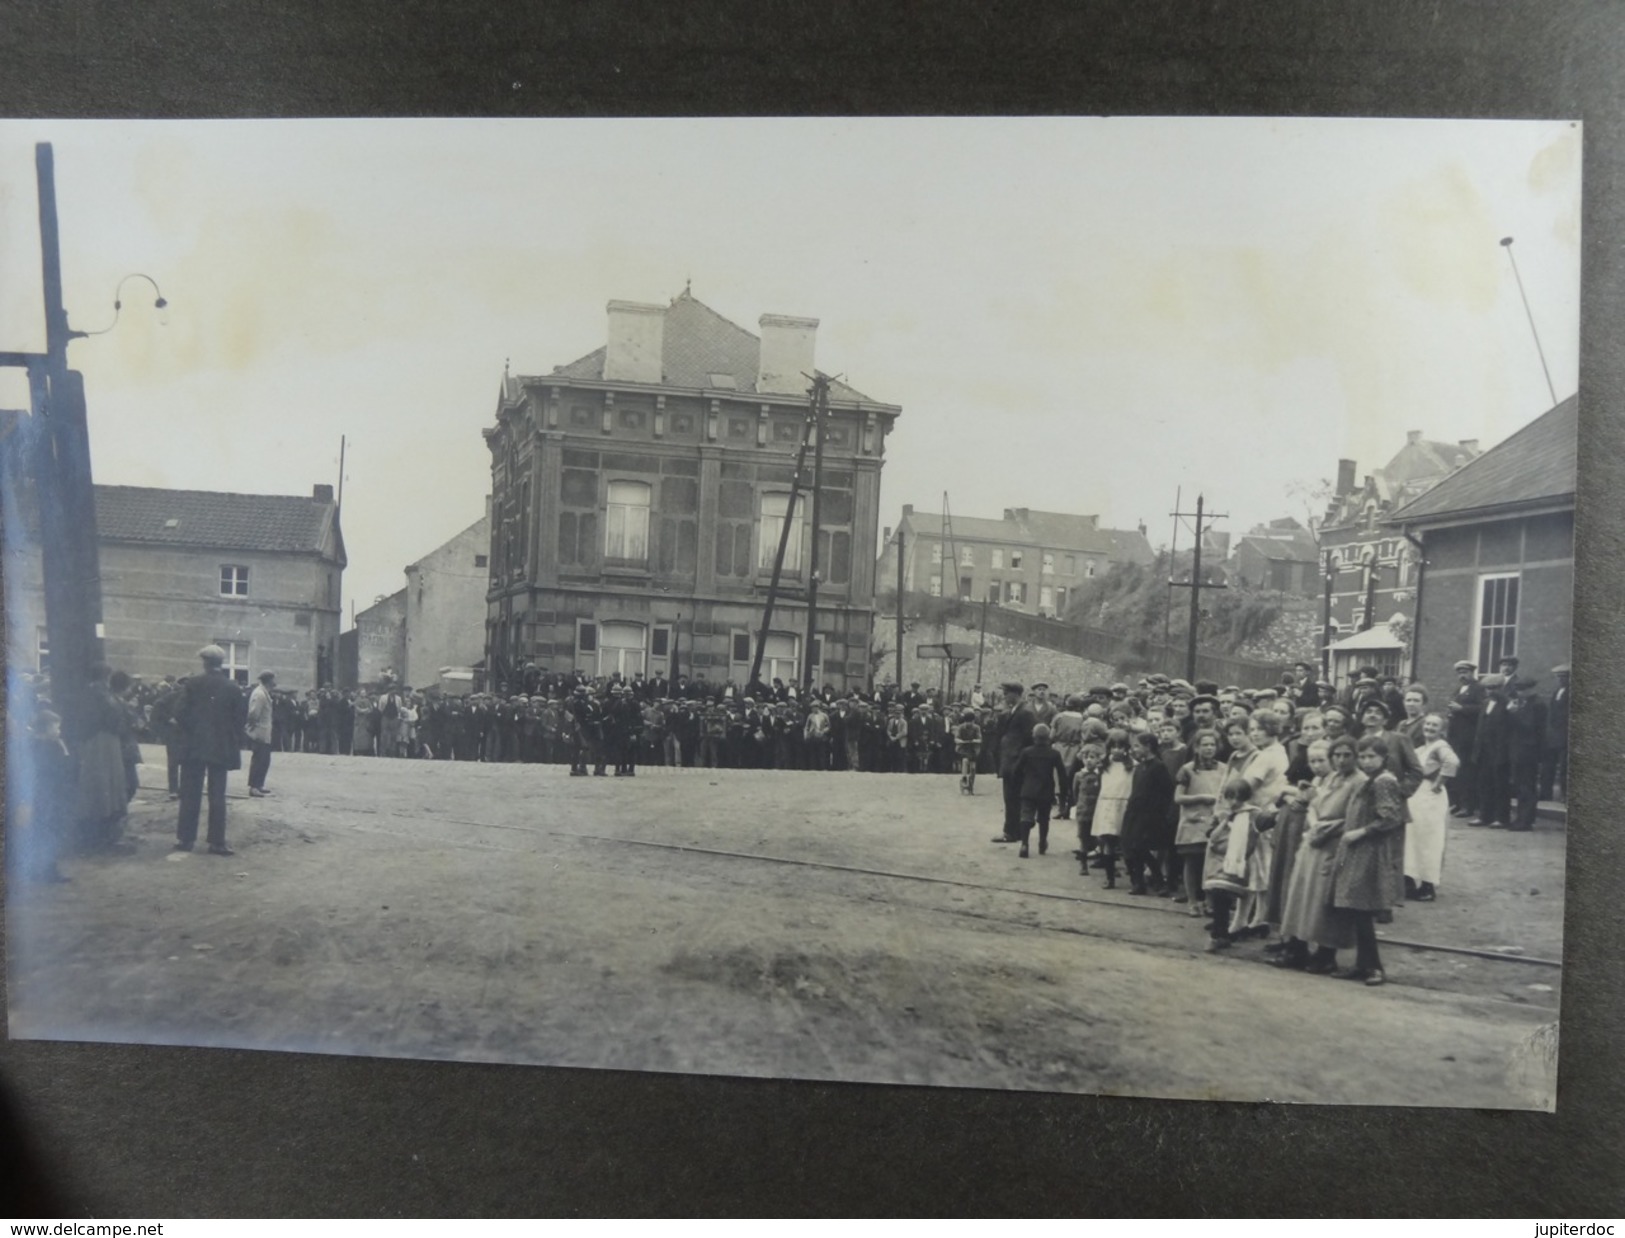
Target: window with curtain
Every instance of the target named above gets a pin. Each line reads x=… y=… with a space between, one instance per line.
x=626 y=523
x=771 y=524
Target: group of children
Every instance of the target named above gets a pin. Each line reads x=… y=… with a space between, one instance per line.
x=1308 y=842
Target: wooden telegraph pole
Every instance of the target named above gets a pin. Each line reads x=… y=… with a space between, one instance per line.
x=820 y=417
x=1196 y=584
x=54 y=452
x=784 y=541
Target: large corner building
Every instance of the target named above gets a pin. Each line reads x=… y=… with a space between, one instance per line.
x=638 y=496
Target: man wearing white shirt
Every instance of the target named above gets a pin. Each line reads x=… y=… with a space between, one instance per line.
x=261 y=707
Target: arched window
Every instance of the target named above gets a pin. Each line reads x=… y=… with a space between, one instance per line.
x=626 y=524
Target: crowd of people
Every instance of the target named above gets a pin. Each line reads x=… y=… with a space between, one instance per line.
x=1298 y=811
x=1302 y=810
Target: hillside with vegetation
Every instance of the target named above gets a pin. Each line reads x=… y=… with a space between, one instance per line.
x=1134 y=601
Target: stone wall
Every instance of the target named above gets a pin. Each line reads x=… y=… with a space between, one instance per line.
x=1294 y=636
x=1002 y=659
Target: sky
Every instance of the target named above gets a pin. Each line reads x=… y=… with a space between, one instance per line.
x=1082 y=315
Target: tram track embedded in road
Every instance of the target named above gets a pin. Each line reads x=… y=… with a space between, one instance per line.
x=894 y=875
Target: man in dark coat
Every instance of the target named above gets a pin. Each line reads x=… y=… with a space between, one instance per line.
x=1015 y=733
x=210 y=715
x=1490 y=754
x=1462 y=733
x=1554 y=765
x=1526 y=736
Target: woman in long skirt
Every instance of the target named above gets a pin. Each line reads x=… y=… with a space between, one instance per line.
x=1258 y=757
x=1368 y=872
x=1291 y=821
x=1306 y=914
x=103 y=791
x=1430 y=812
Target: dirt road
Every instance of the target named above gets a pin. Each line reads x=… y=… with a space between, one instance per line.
x=854 y=927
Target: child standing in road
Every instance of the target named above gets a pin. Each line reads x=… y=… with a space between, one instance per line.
x=967 y=744
x=1116 y=781
x=1228 y=845
x=1085 y=793
x=1196 y=792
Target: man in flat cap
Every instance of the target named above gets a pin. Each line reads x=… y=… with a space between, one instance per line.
x=1016 y=723
x=1490 y=755
x=1526 y=736
x=1465 y=708
x=1554 y=765
x=1044 y=709
x=210 y=716
x=260 y=710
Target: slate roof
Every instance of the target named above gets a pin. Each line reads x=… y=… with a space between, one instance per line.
x=964 y=527
x=1048 y=529
x=214 y=520
x=1285 y=546
x=1423 y=459
x=1131 y=546
x=697 y=343
x=1536 y=465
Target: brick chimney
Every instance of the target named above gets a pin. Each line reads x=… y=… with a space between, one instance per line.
x=1345 y=477
x=321 y=492
x=1469 y=444
x=1412 y=437
x=637 y=334
x=908 y=509
x=787 y=354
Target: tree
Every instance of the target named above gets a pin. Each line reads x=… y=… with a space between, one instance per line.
x=1314 y=495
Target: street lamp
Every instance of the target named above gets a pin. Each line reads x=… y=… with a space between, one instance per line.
x=118 y=304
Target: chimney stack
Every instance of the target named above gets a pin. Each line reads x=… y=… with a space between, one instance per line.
x=1469 y=444
x=1345 y=477
x=1412 y=437
x=637 y=336
x=321 y=492
x=787 y=354
x=885 y=538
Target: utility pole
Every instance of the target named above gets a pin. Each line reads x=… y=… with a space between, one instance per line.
x=820 y=412
x=1196 y=584
x=981 y=641
x=784 y=543
x=53 y=451
x=1370 y=590
x=1173 y=549
x=1326 y=621
x=899 y=606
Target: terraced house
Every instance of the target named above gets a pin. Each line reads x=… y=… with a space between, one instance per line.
x=259 y=575
x=1029 y=561
x=639 y=493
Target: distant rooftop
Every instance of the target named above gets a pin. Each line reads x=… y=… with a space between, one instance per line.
x=702 y=349
x=219 y=520
x=1535 y=466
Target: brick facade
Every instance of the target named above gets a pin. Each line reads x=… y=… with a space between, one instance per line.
x=1537 y=551
x=633 y=519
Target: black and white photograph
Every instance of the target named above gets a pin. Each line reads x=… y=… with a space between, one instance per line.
x=1071 y=605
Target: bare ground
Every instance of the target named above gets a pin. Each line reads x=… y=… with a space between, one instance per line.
x=856 y=927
